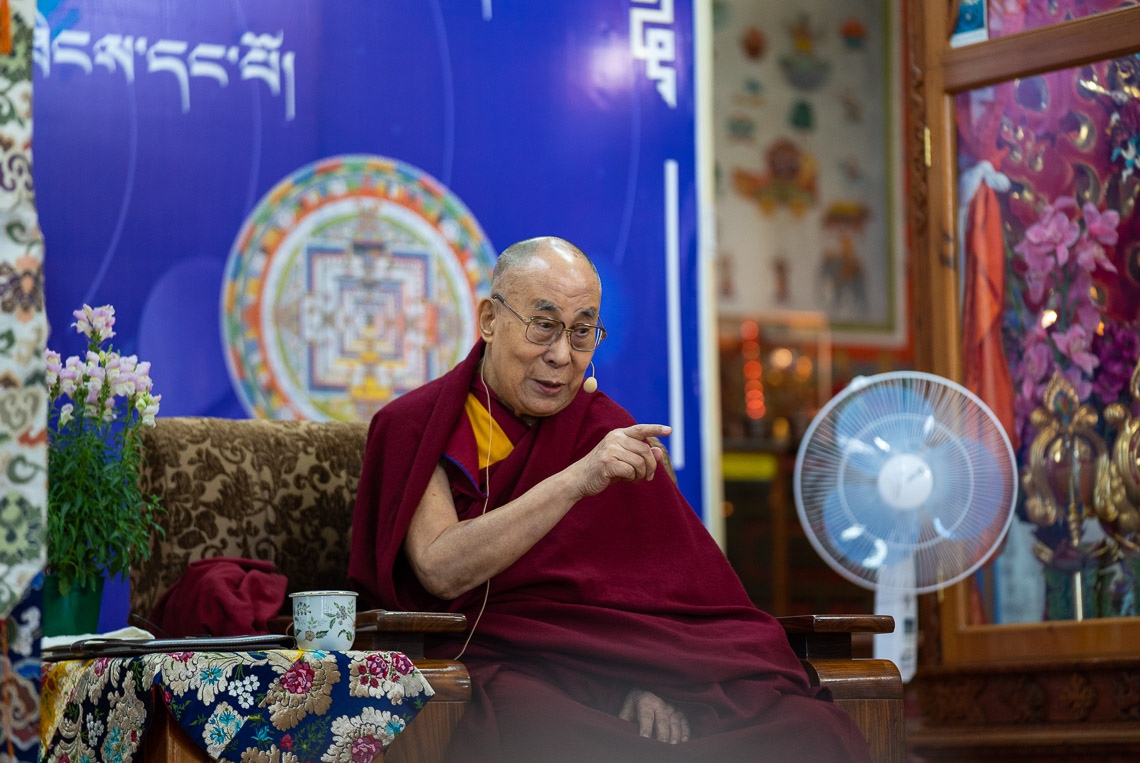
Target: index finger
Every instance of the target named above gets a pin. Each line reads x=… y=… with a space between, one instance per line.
x=645 y=431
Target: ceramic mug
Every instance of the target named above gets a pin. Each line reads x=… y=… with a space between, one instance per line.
x=324 y=620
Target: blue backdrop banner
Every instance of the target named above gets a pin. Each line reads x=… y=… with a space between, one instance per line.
x=294 y=206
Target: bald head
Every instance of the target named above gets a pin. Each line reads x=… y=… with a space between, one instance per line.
x=520 y=254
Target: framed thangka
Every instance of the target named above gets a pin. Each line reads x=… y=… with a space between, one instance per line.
x=808 y=170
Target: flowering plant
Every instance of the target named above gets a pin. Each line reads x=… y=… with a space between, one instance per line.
x=1060 y=325
x=98 y=519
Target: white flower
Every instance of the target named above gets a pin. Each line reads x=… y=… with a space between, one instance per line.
x=142 y=374
x=53 y=367
x=94 y=387
x=95 y=726
x=243 y=690
x=69 y=376
x=99 y=403
x=124 y=385
x=95 y=322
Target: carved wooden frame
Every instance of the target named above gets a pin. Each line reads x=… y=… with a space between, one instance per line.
x=937 y=73
x=990 y=690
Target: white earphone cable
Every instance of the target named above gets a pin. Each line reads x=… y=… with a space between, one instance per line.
x=486 y=499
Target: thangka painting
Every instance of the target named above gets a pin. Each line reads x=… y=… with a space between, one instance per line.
x=808 y=155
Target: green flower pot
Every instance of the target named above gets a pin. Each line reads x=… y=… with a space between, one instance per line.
x=76 y=613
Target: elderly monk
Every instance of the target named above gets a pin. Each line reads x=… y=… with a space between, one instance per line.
x=604 y=621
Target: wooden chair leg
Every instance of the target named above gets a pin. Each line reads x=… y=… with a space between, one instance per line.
x=166 y=742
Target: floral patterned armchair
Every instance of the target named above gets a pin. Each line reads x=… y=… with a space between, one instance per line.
x=281 y=491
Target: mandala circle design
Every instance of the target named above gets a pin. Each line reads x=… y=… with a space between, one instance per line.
x=353 y=281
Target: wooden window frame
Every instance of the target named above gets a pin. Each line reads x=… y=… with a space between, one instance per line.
x=937 y=74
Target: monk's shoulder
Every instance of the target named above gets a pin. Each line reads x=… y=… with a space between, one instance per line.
x=409 y=412
x=600 y=414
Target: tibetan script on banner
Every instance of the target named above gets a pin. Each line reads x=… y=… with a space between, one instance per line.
x=256 y=57
x=652 y=40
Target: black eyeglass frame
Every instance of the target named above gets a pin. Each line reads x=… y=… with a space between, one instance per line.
x=599 y=330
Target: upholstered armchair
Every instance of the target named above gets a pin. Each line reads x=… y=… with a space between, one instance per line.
x=283 y=491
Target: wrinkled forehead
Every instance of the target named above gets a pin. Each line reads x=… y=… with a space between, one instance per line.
x=554 y=283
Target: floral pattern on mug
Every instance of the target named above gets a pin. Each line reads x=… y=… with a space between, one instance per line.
x=324 y=620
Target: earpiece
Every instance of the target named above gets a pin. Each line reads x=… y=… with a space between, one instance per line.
x=591 y=384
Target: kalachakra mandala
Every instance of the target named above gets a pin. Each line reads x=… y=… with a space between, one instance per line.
x=353 y=281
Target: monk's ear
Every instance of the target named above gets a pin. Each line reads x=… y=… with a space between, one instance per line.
x=486 y=319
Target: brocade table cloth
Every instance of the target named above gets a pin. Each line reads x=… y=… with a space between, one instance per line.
x=237 y=706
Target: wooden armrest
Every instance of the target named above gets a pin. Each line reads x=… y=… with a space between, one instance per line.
x=381 y=629
x=829 y=636
x=403 y=631
x=448 y=678
x=410 y=622
x=856 y=679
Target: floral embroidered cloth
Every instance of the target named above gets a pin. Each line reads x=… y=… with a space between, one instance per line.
x=237 y=706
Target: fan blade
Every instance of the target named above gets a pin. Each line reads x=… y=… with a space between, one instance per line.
x=876 y=402
x=905 y=468
x=863 y=459
x=865 y=532
x=971 y=490
x=851 y=545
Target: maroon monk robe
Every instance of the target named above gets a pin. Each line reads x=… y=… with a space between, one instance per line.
x=627 y=591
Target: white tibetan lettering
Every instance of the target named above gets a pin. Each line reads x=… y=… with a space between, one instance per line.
x=259 y=57
x=264 y=61
x=62 y=51
x=114 y=51
x=41 y=44
x=203 y=62
x=652 y=40
x=163 y=56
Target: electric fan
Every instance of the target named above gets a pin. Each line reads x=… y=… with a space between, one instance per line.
x=905 y=482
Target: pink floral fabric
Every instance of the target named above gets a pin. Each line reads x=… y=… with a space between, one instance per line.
x=237 y=706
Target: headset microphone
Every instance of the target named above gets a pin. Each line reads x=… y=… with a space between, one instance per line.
x=591 y=384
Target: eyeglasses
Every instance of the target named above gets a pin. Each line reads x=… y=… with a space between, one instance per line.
x=584 y=337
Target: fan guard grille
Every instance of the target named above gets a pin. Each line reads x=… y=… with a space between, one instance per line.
x=905 y=481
